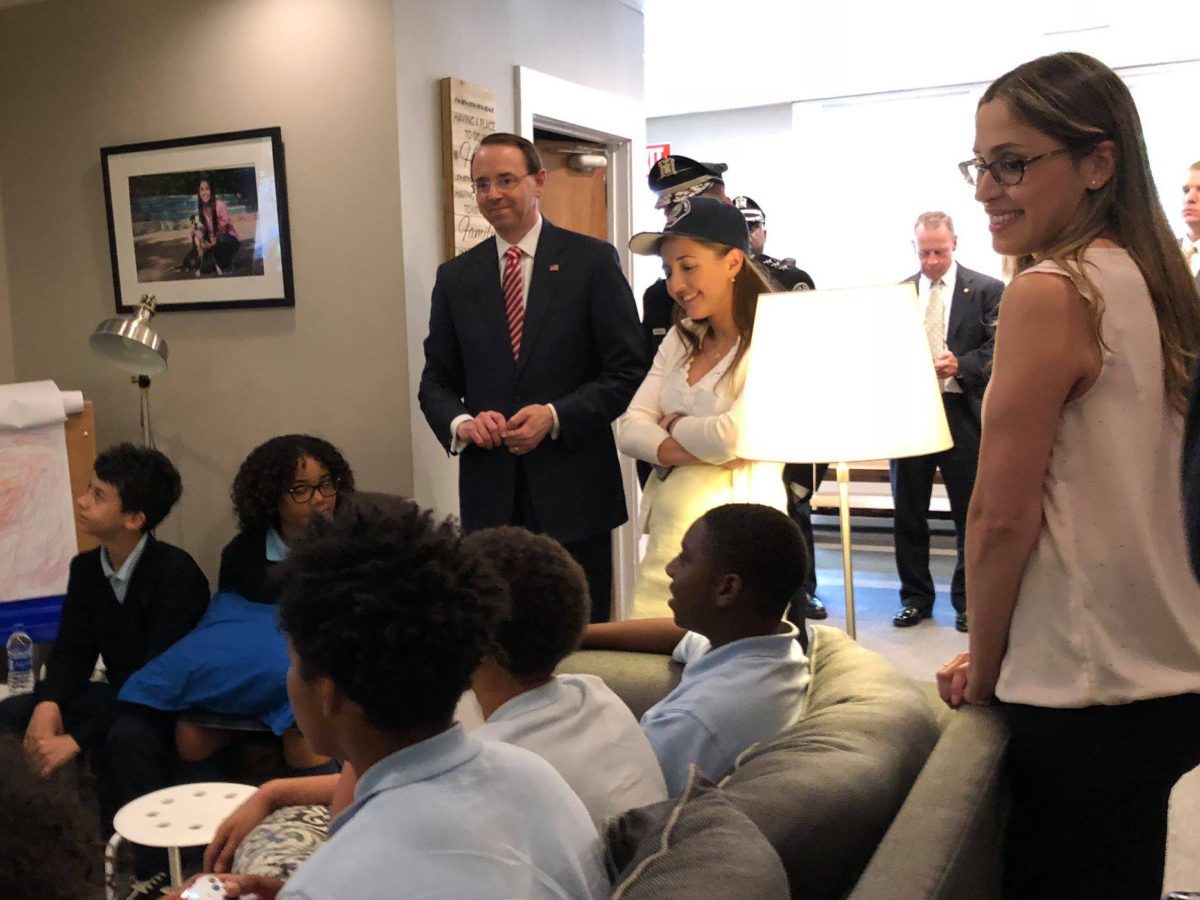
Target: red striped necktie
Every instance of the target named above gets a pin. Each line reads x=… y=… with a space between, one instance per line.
x=514 y=303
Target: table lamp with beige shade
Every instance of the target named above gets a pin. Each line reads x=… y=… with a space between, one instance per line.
x=876 y=394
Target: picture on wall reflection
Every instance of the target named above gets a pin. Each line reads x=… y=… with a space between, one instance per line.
x=202 y=219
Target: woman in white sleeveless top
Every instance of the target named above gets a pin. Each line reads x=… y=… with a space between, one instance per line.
x=682 y=417
x=1085 y=617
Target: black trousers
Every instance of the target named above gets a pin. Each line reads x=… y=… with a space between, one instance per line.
x=134 y=755
x=1089 y=796
x=594 y=554
x=912 y=488
x=802 y=513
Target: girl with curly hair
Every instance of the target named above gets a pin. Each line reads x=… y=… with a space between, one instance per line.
x=232 y=666
x=279 y=487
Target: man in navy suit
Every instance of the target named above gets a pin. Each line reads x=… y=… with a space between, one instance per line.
x=534 y=348
x=959 y=308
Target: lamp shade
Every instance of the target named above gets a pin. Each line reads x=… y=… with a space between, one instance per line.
x=130 y=342
x=862 y=357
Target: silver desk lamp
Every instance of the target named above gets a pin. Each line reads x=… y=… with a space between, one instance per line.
x=136 y=348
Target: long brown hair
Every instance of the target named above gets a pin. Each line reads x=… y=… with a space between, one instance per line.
x=749 y=282
x=1080 y=102
x=211 y=205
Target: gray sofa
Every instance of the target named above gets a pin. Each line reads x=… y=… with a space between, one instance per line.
x=877 y=793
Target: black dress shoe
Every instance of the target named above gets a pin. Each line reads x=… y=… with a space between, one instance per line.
x=910 y=615
x=960 y=622
x=815 y=609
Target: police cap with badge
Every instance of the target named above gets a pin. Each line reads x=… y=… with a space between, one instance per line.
x=752 y=211
x=676 y=178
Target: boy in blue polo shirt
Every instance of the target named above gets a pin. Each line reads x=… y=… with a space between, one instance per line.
x=746 y=673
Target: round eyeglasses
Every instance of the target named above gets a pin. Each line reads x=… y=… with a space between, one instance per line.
x=302 y=491
x=1005 y=172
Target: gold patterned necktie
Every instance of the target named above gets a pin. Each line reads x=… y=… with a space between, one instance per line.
x=935 y=324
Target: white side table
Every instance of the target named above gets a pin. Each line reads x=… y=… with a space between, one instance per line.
x=186 y=815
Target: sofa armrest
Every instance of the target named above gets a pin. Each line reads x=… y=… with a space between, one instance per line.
x=640 y=679
x=946 y=841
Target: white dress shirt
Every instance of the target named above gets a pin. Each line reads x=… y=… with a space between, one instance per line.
x=574 y=721
x=1187 y=245
x=949 y=385
x=528 y=245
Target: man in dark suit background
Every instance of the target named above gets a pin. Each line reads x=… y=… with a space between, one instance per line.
x=534 y=348
x=959 y=307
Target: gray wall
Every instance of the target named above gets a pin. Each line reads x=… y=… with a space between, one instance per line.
x=78 y=75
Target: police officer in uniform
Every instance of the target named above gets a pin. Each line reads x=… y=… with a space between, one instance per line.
x=783 y=271
x=675 y=178
x=800 y=479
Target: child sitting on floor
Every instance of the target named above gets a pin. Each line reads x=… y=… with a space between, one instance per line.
x=234 y=663
x=129 y=600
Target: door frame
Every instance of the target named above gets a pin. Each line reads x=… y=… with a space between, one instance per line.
x=554 y=104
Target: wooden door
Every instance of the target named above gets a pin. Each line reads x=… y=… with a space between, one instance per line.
x=574 y=199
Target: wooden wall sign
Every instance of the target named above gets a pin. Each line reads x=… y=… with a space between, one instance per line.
x=468 y=114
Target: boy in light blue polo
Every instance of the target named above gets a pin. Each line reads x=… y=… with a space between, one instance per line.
x=746 y=672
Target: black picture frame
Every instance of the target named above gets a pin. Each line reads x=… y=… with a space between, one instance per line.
x=231 y=249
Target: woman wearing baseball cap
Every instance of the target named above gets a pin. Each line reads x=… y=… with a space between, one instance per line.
x=680 y=419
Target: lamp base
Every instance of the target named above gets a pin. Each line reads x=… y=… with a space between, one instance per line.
x=143 y=383
x=843 y=482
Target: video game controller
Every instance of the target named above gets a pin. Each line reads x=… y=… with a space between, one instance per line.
x=206 y=887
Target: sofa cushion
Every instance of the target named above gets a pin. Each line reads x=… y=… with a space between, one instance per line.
x=684 y=848
x=824 y=791
x=640 y=679
x=283 y=840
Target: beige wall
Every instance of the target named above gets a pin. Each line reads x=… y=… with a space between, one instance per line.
x=337 y=76
x=78 y=75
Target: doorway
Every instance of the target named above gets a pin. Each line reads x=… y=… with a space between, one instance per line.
x=576 y=195
x=577 y=121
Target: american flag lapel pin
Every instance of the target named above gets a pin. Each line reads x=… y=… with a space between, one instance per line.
x=554 y=267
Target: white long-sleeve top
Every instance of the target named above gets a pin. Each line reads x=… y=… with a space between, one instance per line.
x=708 y=430
x=709 y=427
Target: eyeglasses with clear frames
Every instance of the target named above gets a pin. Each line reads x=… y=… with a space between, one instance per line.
x=502 y=182
x=302 y=491
x=1005 y=172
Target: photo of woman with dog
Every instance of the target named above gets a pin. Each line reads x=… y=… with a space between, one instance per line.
x=195 y=224
x=216 y=234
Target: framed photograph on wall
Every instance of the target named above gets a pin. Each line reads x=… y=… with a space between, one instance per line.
x=200 y=222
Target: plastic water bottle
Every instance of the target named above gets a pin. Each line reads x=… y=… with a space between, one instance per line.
x=20 y=662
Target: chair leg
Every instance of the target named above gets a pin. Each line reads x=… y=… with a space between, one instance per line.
x=176 y=866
